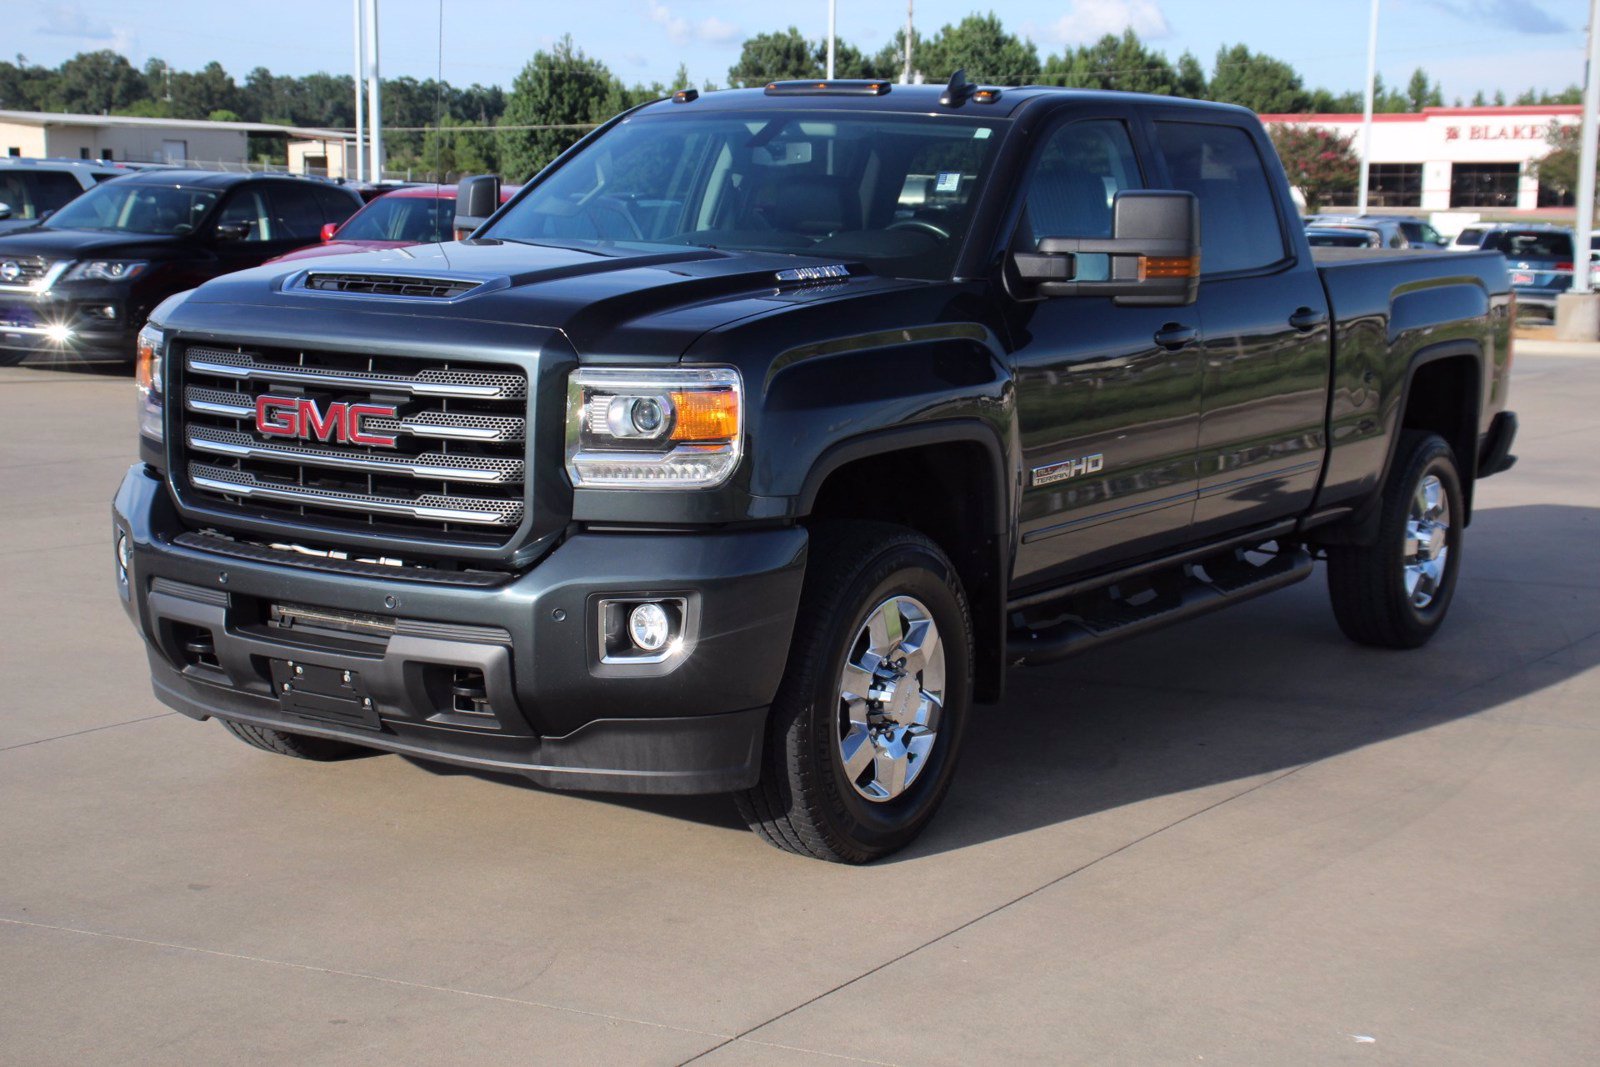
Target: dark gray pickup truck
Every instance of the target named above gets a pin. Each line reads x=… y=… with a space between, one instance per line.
x=747 y=447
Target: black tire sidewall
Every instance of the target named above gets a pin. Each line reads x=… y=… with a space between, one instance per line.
x=1431 y=456
x=901 y=570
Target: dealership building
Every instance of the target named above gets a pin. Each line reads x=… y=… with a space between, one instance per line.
x=1455 y=158
x=135 y=139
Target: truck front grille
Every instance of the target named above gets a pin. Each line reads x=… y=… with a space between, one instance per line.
x=457 y=467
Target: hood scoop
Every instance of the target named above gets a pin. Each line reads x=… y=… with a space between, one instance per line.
x=823 y=275
x=408 y=285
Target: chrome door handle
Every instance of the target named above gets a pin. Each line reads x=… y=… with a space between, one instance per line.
x=1307 y=319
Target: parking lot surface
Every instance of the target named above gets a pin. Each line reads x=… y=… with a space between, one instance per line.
x=1241 y=840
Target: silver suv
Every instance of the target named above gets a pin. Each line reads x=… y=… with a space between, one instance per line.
x=30 y=189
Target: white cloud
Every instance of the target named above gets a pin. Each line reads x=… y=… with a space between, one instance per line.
x=717 y=31
x=1090 y=20
x=680 y=30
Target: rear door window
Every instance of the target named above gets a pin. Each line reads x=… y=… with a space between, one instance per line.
x=295 y=212
x=336 y=206
x=1239 y=226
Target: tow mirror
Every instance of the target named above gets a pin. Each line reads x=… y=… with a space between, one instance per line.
x=1151 y=259
x=328 y=230
x=477 y=198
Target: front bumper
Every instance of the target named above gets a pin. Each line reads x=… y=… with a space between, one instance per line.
x=73 y=324
x=557 y=713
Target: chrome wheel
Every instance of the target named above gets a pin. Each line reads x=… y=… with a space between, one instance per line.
x=1427 y=542
x=890 y=695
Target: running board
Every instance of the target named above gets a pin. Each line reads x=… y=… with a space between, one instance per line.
x=1204 y=588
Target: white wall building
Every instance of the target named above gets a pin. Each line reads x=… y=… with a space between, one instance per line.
x=149 y=140
x=1454 y=158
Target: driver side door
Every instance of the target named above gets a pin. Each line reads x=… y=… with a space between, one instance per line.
x=1108 y=396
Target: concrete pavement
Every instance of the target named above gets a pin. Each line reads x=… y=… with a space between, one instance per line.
x=1243 y=839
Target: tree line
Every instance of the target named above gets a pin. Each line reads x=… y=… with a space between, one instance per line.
x=434 y=128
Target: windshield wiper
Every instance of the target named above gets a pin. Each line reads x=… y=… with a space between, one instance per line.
x=552 y=244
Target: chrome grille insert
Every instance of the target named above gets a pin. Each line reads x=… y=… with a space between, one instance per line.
x=457 y=470
x=390 y=285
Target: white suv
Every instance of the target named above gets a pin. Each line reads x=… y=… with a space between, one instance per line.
x=32 y=188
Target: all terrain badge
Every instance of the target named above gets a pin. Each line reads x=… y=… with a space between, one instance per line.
x=1068 y=468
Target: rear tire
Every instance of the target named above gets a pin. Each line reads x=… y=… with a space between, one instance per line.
x=299 y=746
x=1394 y=593
x=864 y=733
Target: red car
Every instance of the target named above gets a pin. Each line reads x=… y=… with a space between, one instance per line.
x=415 y=215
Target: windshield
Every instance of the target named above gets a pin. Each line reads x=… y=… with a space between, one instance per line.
x=30 y=194
x=121 y=207
x=413 y=219
x=1531 y=244
x=1342 y=238
x=895 y=192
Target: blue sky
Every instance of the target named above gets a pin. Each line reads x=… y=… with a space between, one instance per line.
x=1467 y=44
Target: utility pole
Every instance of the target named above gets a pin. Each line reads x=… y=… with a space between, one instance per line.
x=1578 y=309
x=1581 y=276
x=1366 y=117
x=905 y=75
x=833 y=21
x=374 y=103
x=360 y=73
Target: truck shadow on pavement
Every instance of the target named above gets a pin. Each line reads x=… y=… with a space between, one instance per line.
x=1267 y=687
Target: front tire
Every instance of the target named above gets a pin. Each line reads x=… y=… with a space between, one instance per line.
x=299 y=746
x=864 y=734
x=1395 y=592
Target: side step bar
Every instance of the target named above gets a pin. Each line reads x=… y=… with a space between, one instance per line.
x=1205 y=588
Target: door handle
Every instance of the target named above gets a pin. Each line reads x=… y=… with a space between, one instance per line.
x=1175 y=335
x=1307 y=319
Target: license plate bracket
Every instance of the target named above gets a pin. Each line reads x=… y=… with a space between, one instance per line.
x=326 y=694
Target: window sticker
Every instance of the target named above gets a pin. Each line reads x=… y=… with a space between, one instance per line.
x=948 y=182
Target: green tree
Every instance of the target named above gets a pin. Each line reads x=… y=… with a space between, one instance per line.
x=1558 y=168
x=96 y=83
x=1319 y=162
x=780 y=56
x=1192 y=81
x=25 y=86
x=1421 y=93
x=196 y=94
x=1123 y=63
x=1257 y=81
x=561 y=94
x=979 y=45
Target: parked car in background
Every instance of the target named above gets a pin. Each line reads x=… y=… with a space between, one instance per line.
x=1539 y=257
x=30 y=189
x=415 y=215
x=83 y=282
x=1399 y=231
x=1343 y=237
x=1386 y=229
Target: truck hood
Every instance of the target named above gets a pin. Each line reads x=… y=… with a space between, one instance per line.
x=633 y=302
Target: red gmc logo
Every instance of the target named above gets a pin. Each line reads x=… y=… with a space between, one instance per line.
x=298 y=416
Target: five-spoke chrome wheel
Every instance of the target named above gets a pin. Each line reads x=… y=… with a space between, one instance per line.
x=1427 y=541
x=891 y=692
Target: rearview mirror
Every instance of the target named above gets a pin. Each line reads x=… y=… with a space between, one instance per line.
x=329 y=229
x=1153 y=254
x=477 y=198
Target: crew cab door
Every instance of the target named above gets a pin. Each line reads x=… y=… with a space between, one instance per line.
x=1108 y=396
x=1264 y=318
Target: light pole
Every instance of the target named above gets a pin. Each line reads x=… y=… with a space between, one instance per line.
x=361 y=69
x=905 y=76
x=1366 y=115
x=833 y=19
x=1578 y=309
x=374 y=103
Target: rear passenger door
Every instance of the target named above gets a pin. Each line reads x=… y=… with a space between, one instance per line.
x=1108 y=396
x=1264 y=319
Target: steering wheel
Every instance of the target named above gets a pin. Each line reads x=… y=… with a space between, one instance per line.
x=611 y=205
x=938 y=232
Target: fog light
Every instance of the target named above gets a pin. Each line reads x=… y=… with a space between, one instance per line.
x=58 y=333
x=649 y=627
x=124 y=556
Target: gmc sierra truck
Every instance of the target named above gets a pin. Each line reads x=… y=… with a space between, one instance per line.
x=748 y=446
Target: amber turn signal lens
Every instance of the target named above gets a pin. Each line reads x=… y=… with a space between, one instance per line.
x=1168 y=267
x=705 y=416
x=146 y=369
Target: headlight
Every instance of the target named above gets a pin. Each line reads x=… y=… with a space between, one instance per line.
x=653 y=429
x=106 y=270
x=147 y=372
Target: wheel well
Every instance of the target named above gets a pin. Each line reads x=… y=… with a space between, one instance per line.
x=946 y=492
x=1443 y=398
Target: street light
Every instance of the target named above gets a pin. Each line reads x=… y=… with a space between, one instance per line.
x=833 y=18
x=1366 y=116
